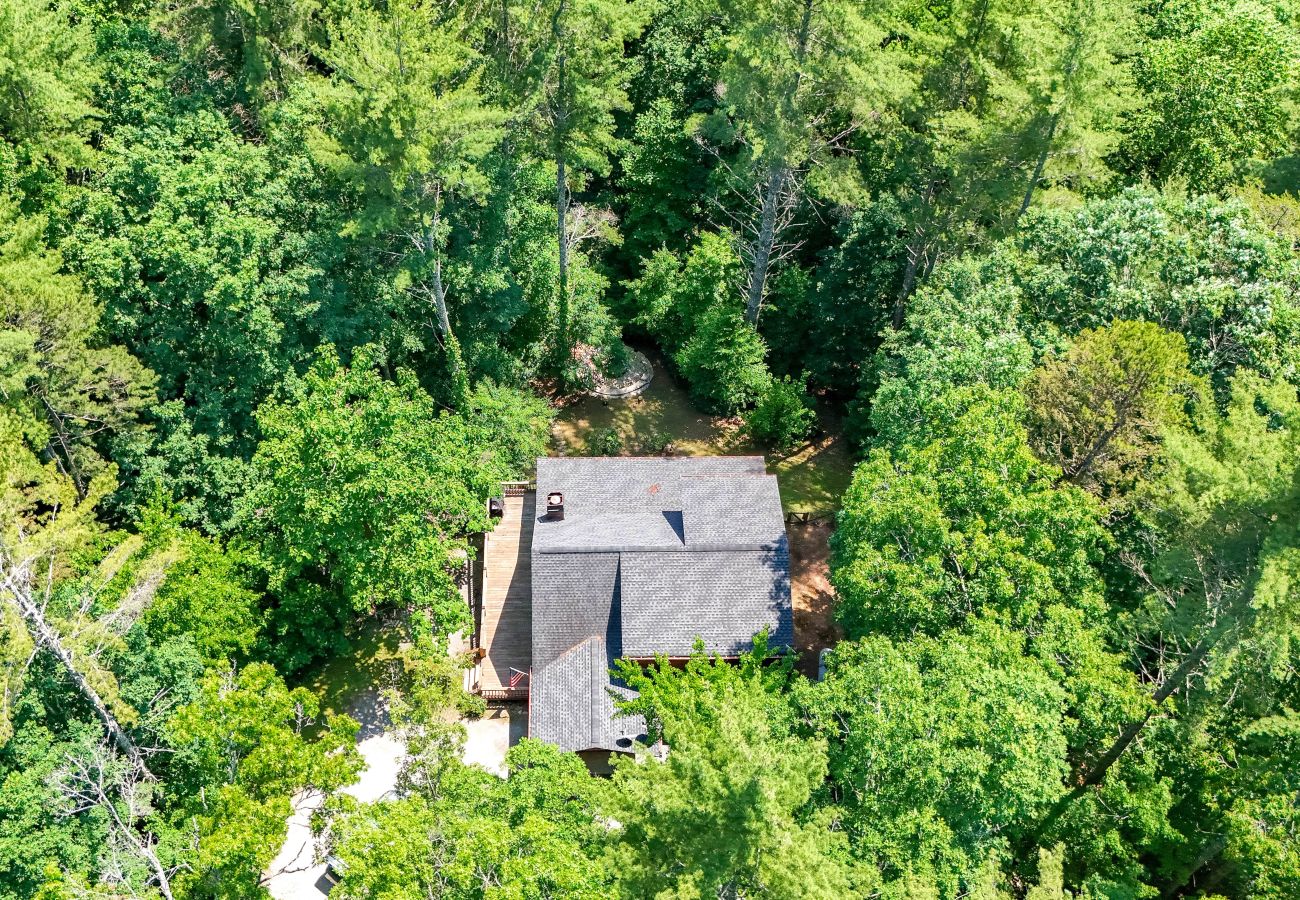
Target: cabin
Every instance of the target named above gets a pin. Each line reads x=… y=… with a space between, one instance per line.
x=613 y=557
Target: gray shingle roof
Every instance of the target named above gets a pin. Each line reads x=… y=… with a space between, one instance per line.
x=651 y=553
x=722 y=597
x=572 y=703
x=573 y=599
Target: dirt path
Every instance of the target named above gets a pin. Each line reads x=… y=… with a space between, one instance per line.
x=811 y=593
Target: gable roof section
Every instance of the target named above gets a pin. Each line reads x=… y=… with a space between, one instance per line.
x=733 y=513
x=574 y=598
x=572 y=705
x=722 y=597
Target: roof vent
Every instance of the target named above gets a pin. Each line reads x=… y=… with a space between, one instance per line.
x=555 y=506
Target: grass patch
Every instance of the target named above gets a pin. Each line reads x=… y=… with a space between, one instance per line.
x=812 y=478
x=374 y=663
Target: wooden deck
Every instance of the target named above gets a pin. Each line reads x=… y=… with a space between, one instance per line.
x=506 y=617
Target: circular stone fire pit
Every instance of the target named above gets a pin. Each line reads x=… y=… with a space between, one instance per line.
x=636 y=379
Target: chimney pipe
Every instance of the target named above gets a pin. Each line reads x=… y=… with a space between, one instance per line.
x=555 y=506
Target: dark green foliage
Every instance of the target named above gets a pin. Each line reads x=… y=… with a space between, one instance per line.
x=691 y=308
x=723 y=362
x=33 y=836
x=221 y=313
x=851 y=301
x=783 y=416
x=363 y=496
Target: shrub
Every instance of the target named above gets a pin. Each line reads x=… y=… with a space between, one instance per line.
x=655 y=441
x=783 y=416
x=723 y=362
x=471 y=706
x=673 y=295
x=607 y=443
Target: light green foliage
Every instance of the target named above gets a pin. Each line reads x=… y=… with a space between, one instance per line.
x=47 y=76
x=1200 y=266
x=1049 y=690
x=1226 y=504
x=206 y=592
x=967 y=523
x=791 y=66
x=957 y=159
x=969 y=530
x=793 y=74
x=1217 y=77
x=431 y=687
x=364 y=494
x=783 y=416
x=689 y=694
x=561 y=66
x=727 y=813
x=1262 y=851
x=241 y=753
x=961 y=330
x=531 y=836
x=76 y=395
x=941 y=749
x=1099 y=410
x=1079 y=92
x=579 y=77
x=673 y=294
x=405 y=117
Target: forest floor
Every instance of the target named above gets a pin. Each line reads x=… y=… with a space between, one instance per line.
x=355 y=682
x=811 y=593
x=812 y=478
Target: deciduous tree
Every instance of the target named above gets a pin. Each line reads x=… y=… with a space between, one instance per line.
x=1100 y=409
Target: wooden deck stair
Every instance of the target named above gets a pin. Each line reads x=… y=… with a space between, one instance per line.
x=506 y=623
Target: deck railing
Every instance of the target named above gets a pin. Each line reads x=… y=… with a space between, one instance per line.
x=503 y=695
x=517 y=488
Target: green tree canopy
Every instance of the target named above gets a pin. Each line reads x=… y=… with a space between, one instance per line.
x=941 y=749
x=78 y=396
x=727 y=813
x=47 y=80
x=364 y=495
x=1099 y=410
x=969 y=523
x=1216 y=79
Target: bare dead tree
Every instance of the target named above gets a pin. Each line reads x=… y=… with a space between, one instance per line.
x=17 y=589
x=100 y=779
x=762 y=209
